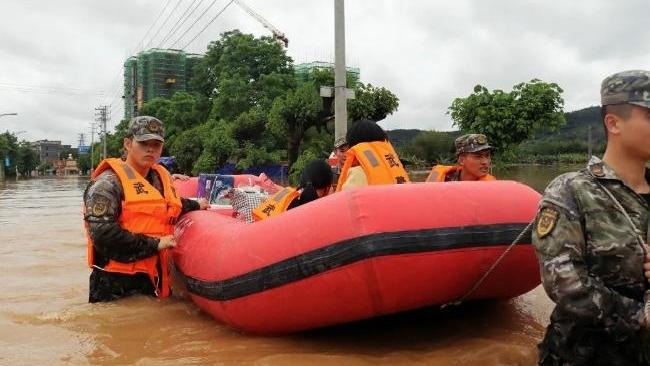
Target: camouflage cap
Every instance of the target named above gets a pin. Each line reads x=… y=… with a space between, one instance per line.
x=472 y=142
x=340 y=142
x=631 y=87
x=144 y=128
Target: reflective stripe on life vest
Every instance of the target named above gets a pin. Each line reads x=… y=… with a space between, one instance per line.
x=144 y=211
x=379 y=162
x=276 y=204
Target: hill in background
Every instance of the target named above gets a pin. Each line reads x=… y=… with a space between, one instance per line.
x=570 y=142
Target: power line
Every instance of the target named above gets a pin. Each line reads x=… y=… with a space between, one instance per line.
x=193 y=24
x=116 y=88
x=207 y=25
x=152 y=24
x=49 y=91
x=163 y=24
x=175 y=27
x=49 y=87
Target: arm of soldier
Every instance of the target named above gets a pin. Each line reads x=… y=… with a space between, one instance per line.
x=103 y=206
x=192 y=205
x=559 y=241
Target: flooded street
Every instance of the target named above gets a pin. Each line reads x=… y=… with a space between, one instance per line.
x=45 y=317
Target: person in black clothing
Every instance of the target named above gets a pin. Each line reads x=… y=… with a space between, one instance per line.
x=315 y=182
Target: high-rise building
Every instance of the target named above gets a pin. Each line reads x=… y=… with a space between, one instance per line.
x=155 y=73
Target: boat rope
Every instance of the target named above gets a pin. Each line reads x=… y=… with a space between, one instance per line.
x=494 y=265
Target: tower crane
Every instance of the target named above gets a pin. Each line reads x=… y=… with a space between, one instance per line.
x=277 y=34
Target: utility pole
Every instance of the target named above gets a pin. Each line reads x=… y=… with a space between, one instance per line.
x=82 y=140
x=340 y=92
x=101 y=116
x=92 y=145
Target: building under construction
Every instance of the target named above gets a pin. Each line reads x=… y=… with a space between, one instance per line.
x=155 y=73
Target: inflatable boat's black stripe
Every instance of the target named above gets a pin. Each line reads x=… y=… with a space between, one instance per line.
x=351 y=251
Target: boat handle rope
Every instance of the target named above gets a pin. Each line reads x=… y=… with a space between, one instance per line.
x=490 y=270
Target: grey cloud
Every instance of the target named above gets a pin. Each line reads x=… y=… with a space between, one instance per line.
x=427 y=52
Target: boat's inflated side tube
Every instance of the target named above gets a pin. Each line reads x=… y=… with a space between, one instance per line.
x=358 y=254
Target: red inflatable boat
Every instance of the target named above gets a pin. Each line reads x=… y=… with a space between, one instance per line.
x=359 y=254
x=187 y=188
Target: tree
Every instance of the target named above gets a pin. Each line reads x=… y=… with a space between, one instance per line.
x=371 y=103
x=507 y=119
x=240 y=71
x=432 y=147
x=67 y=151
x=303 y=109
x=293 y=115
x=178 y=113
x=8 y=149
x=27 y=159
x=83 y=163
x=204 y=148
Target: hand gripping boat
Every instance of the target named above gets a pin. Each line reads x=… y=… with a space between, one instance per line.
x=359 y=254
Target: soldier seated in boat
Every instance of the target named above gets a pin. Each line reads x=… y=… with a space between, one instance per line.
x=371 y=159
x=315 y=182
x=474 y=161
x=341 y=146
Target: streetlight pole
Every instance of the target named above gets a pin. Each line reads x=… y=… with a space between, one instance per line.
x=2 y=165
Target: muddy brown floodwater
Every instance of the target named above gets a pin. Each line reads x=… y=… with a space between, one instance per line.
x=45 y=318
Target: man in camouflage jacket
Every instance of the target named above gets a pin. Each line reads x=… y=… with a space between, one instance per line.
x=589 y=236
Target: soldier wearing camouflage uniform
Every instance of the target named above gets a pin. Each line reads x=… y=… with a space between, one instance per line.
x=474 y=161
x=103 y=201
x=589 y=235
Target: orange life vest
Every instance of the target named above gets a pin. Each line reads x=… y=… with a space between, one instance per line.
x=144 y=211
x=276 y=204
x=378 y=160
x=439 y=173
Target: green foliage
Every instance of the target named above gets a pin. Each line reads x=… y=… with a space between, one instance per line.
x=83 y=163
x=293 y=114
x=510 y=118
x=44 y=167
x=372 y=103
x=205 y=163
x=27 y=159
x=219 y=145
x=8 y=148
x=247 y=107
x=296 y=169
x=252 y=155
x=432 y=147
x=204 y=148
x=316 y=145
x=179 y=113
x=187 y=147
x=67 y=151
x=240 y=71
x=21 y=156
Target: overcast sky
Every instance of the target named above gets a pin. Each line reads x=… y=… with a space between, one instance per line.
x=61 y=59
